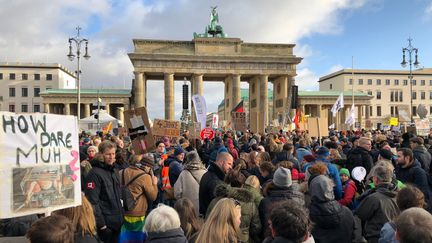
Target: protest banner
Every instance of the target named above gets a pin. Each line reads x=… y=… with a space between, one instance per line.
x=215 y=121
x=394 y=121
x=318 y=127
x=238 y=120
x=166 y=128
x=207 y=133
x=194 y=129
x=422 y=127
x=139 y=130
x=200 y=109
x=40 y=166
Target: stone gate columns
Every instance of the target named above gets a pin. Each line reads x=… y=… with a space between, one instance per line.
x=46 y=108
x=197 y=88
x=232 y=94
x=236 y=96
x=280 y=94
x=67 y=109
x=263 y=103
x=87 y=110
x=359 y=114
x=139 y=90
x=107 y=108
x=169 y=95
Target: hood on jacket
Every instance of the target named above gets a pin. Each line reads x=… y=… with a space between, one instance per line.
x=388 y=189
x=321 y=189
x=240 y=194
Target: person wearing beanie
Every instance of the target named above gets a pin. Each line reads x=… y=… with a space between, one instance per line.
x=175 y=167
x=278 y=190
x=323 y=154
x=349 y=188
x=218 y=147
x=421 y=153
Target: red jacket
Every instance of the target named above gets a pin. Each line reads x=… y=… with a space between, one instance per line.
x=349 y=190
x=296 y=175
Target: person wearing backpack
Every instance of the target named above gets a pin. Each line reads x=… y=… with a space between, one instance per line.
x=139 y=186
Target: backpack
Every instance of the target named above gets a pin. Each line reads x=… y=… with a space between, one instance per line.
x=129 y=201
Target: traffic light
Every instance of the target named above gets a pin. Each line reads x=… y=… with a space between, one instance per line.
x=96 y=116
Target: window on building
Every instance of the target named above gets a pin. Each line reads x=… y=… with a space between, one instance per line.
x=414 y=111
x=49 y=76
x=396 y=96
x=378 y=81
x=396 y=82
x=423 y=95
x=253 y=88
x=391 y=110
x=430 y=82
x=24 y=92
x=414 y=95
x=1 y=76
x=350 y=81
x=370 y=111
x=387 y=81
x=400 y=96
x=422 y=82
x=369 y=92
x=331 y=86
x=24 y=108
x=12 y=76
x=391 y=96
x=24 y=76
x=11 y=92
x=405 y=82
x=369 y=81
x=430 y=109
x=414 y=82
x=430 y=95
x=37 y=76
x=12 y=108
x=378 y=110
x=360 y=81
x=36 y=108
x=378 y=95
x=36 y=92
x=396 y=111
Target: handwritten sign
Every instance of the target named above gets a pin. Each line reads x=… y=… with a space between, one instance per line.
x=139 y=130
x=40 y=163
x=239 y=121
x=422 y=127
x=166 y=128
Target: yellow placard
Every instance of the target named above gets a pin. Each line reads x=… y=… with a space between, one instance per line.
x=394 y=121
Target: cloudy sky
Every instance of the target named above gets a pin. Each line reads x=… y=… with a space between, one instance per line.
x=327 y=34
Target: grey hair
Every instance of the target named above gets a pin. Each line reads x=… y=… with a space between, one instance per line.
x=383 y=173
x=161 y=219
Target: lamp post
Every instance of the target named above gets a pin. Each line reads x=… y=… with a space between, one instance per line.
x=78 y=41
x=410 y=50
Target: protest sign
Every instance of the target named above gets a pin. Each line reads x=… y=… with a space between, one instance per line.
x=139 y=130
x=394 y=121
x=40 y=167
x=207 y=133
x=200 y=109
x=215 y=121
x=422 y=127
x=166 y=128
x=194 y=129
x=239 y=121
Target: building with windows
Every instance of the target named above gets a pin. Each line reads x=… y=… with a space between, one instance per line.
x=390 y=90
x=23 y=83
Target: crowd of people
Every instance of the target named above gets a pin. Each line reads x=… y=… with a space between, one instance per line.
x=362 y=186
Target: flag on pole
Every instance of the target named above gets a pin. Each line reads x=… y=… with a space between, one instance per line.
x=297 y=119
x=338 y=105
x=351 y=117
x=332 y=126
x=239 y=107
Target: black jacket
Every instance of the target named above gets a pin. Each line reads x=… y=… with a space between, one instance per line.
x=423 y=156
x=213 y=177
x=169 y=236
x=359 y=157
x=286 y=156
x=102 y=189
x=416 y=175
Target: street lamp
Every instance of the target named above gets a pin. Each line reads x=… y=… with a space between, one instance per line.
x=78 y=41
x=410 y=49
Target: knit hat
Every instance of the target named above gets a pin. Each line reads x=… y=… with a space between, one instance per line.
x=147 y=160
x=282 y=177
x=179 y=150
x=386 y=154
x=344 y=171
x=323 y=152
x=86 y=140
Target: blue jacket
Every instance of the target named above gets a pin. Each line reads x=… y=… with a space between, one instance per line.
x=333 y=173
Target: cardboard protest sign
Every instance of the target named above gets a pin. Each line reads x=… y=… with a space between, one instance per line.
x=40 y=167
x=318 y=127
x=166 y=128
x=139 y=130
x=422 y=127
x=194 y=129
x=239 y=121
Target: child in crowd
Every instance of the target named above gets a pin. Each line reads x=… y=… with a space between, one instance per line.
x=348 y=187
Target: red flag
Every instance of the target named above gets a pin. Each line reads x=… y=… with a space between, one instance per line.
x=239 y=107
x=297 y=119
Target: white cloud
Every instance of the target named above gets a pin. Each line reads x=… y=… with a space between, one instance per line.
x=335 y=68
x=428 y=10
x=37 y=31
x=306 y=79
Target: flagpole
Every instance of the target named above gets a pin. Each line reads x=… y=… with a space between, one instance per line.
x=352 y=92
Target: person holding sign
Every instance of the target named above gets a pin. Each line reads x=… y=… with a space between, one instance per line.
x=102 y=188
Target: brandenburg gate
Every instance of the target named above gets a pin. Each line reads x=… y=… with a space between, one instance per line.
x=227 y=60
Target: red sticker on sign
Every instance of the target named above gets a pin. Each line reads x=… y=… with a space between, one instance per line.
x=90 y=185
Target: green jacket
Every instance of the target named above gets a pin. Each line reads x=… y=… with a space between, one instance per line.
x=250 y=226
x=256 y=195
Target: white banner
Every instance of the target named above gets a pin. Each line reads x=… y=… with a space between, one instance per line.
x=215 y=121
x=200 y=109
x=40 y=167
x=338 y=105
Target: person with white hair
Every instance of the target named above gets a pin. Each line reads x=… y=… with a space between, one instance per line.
x=163 y=225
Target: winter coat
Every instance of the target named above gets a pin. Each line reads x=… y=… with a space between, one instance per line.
x=175 y=168
x=333 y=173
x=102 y=189
x=187 y=186
x=274 y=195
x=301 y=152
x=256 y=194
x=423 y=156
x=332 y=221
x=286 y=156
x=416 y=175
x=345 y=149
x=349 y=191
x=359 y=157
x=169 y=236
x=376 y=209
x=208 y=183
x=250 y=226
x=388 y=233
x=142 y=190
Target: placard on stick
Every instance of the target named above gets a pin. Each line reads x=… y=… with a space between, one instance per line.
x=239 y=121
x=166 y=128
x=139 y=130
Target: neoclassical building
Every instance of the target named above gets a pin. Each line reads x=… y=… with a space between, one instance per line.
x=227 y=60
